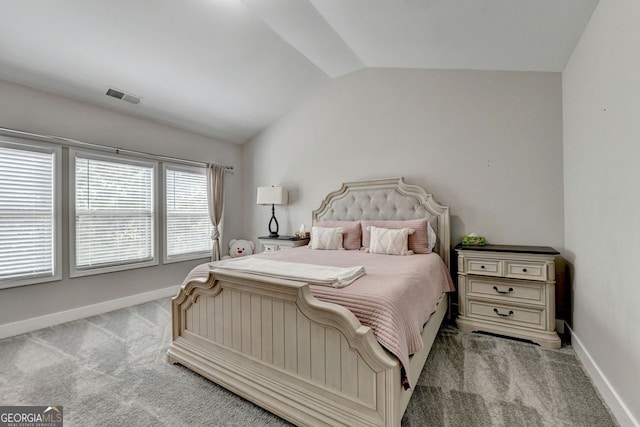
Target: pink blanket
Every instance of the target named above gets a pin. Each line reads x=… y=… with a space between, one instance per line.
x=395 y=298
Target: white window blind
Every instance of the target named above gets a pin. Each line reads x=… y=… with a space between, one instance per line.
x=27 y=214
x=114 y=212
x=188 y=227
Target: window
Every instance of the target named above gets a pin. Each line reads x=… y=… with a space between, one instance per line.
x=113 y=213
x=187 y=225
x=30 y=220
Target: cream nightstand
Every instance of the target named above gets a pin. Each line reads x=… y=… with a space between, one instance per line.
x=269 y=244
x=508 y=290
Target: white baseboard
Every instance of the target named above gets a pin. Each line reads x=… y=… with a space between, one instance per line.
x=35 y=323
x=622 y=413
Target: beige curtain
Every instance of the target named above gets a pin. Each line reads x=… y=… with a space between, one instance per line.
x=215 y=199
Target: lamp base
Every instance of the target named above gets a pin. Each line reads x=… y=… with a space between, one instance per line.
x=273 y=234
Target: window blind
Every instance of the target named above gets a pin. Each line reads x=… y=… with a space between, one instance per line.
x=114 y=212
x=27 y=214
x=188 y=226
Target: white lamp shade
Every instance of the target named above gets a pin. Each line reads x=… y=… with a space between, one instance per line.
x=272 y=196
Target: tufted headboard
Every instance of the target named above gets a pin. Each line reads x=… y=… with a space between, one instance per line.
x=387 y=199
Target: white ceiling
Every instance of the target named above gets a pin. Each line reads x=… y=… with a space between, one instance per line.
x=229 y=68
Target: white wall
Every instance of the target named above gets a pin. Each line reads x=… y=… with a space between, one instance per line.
x=41 y=112
x=601 y=107
x=487 y=144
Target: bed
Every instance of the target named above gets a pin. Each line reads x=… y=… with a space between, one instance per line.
x=310 y=361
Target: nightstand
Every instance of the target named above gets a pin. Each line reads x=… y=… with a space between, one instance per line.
x=270 y=244
x=508 y=290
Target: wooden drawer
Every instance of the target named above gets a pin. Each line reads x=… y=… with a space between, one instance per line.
x=507 y=291
x=528 y=270
x=274 y=245
x=483 y=266
x=532 y=318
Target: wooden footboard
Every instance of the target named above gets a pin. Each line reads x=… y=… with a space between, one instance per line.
x=273 y=343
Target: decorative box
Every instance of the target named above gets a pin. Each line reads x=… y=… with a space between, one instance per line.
x=473 y=240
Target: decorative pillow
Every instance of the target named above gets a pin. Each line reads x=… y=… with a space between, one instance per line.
x=419 y=241
x=433 y=237
x=351 y=235
x=326 y=238
x=389 y=241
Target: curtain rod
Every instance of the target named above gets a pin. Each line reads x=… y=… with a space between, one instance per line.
x=116 y=150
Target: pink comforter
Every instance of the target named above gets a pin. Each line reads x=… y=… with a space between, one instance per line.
x=395 y=298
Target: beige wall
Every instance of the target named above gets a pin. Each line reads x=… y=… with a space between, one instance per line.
x=601 y=97
x=488 y=144
x=40 y=112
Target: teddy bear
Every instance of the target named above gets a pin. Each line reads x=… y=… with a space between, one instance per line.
x=240 y=247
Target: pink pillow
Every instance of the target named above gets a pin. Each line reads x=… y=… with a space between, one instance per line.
x=351 y=232
x=418 y=241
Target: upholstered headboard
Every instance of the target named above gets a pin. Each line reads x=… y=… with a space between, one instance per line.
x=387 y=199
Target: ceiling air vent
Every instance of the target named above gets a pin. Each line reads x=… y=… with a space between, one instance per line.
x=123 y=96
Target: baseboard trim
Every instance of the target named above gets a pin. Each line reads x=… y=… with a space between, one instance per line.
x=28 y=325
x=622 y=413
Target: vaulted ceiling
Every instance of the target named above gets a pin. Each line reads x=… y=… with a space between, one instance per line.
x=229 y=68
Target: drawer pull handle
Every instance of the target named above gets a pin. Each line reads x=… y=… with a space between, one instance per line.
x=524 y=270
x=495 y=310
x=482 y=267
x=495 y=288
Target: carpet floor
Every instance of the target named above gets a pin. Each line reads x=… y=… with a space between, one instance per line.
x=110 y=370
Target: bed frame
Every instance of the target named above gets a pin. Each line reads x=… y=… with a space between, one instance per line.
x=310 y=362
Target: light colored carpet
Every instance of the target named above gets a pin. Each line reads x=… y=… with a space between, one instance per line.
x=110 y=370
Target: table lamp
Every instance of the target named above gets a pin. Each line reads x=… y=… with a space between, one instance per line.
x=272 y=196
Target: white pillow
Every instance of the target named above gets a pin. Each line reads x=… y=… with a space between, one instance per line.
x=326 y=238
x=389 y=241
x=432 y=236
